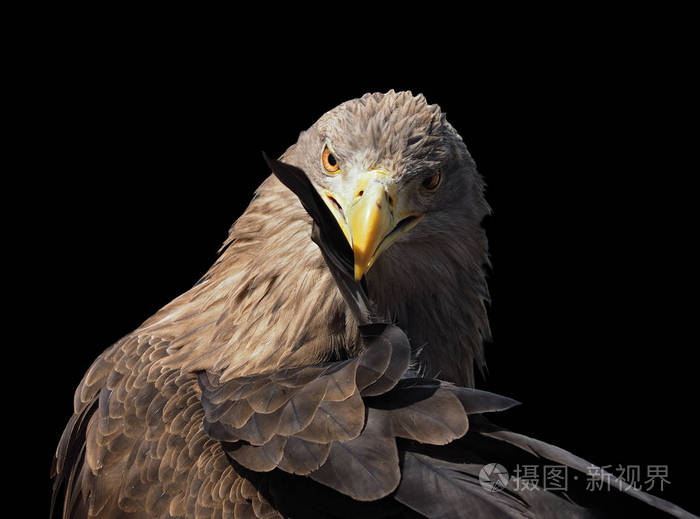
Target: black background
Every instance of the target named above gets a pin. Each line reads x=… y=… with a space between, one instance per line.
x=149 y=150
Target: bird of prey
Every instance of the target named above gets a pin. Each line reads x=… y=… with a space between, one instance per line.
x=324 y=365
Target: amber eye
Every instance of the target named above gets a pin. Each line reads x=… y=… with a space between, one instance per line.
x=432 y=183
x=330 y=163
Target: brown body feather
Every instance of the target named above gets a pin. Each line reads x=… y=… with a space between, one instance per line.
x=146 y=450
x=268 y=302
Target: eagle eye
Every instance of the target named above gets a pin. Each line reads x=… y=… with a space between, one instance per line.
x=431 y=183
x=330 y=163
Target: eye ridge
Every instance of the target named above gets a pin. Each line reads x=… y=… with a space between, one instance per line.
x=432 y=182
x=330 y=163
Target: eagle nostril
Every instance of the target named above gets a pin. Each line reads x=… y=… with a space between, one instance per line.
x=359 y=194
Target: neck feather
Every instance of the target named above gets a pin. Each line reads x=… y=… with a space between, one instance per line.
x=269 y=301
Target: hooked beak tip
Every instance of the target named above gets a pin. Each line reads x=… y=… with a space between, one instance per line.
x=359 y=272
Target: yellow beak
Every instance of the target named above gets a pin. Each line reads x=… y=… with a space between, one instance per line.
x=373 y=219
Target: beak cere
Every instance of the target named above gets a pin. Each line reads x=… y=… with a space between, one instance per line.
x=372 y=220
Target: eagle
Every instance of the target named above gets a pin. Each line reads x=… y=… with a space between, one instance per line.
x=324 y=365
